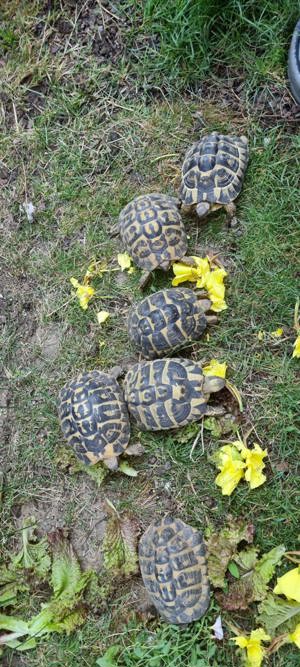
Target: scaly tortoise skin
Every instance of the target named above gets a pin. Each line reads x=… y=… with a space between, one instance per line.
x=173 y=564
x=94 y=418
x=213 y=172
x=152 y=231
x=169 y=393
x=167 y=320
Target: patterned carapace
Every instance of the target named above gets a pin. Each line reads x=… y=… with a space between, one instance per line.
x=94 y=417
x=173 y=564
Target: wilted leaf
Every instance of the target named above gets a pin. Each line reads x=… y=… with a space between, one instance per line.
x=222 y=545
x=253 y=585
x=246 y=559
x=120 y=545
x=275 y=612
x=34 y=554
x=67 y=460
x=64 y=611
x=11 y=583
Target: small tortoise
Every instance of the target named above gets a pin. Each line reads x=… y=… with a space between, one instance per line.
x=173 y=564
x=152 y=231
x=169 y=393
x=167 y=320
x=213 y=172
x=94 y=418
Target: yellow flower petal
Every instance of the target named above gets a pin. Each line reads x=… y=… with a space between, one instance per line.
x=215 y=368
x=296 y=346
x=254 y=651
x=277 y=333
x=102 y=316
x=289 y=585
x=295 y=636
x=229 y=461
x=124 y=260
x=83 y=292
x=255 y=465
x=183 y=273
x=261 y=335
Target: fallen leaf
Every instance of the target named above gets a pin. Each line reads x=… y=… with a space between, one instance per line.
x=222 y=546
x=120 y=544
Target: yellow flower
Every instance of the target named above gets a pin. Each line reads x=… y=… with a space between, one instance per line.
x=83 y=292
x=231 y=465
x=277 y=333
x=216 y=289
x=295 y=636
x=296 y=345
x=102 y=316
x=289 y=585
x=215 y=368
x=125 y=262
x=205 y=277
x=184 y=273
x=254 y=650
x=261 y=335
x=254 y=465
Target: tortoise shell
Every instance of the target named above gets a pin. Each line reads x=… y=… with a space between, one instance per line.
x=165 y=321
x=152 y=231
x=213 y=169
x=173 y=564
x=167 y=393
x=94 y=417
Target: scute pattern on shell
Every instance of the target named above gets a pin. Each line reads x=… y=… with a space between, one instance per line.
x=165 y=321
x=152 y=230
x=165 y=393
x=94 y=417
x=173 y=564
x=213 y=169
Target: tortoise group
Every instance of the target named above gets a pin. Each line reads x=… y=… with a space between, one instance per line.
x=160 y=392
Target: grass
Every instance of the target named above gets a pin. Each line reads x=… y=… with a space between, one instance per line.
x=81 y=138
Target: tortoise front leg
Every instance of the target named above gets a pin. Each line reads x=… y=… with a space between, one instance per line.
x=145 y=279
x=230 y=210
x=214 y=411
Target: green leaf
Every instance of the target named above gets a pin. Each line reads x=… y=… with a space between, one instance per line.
x=266 y=565
x=108 y=659
x=275 y=612
x=127 y=469
x=120 y=545
x=222 y=546
x=33 y=555
x=246 y=559
x=11 y=583
x=234 y=570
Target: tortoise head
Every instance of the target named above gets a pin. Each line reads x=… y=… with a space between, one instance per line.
x=212 y=384
x=203 y=209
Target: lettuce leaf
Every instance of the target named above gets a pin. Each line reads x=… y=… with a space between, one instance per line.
x=34 y=554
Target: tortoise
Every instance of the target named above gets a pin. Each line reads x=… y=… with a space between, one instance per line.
x=212 y=173
x=94 y=418
x=169 y=393
x=167 y=320
x=172 y=557
x=153 y=232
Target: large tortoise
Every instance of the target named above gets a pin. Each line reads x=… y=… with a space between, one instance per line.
x=94 y=418
x=212 y=173
x=169 y=393
x=167 y=320
x=172 y=557
x=152 y=231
